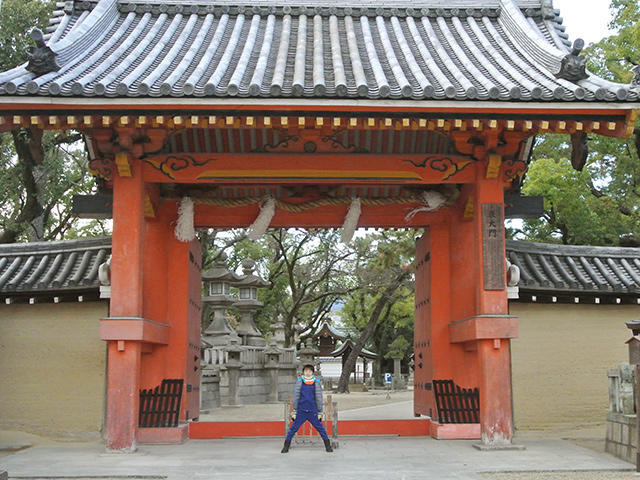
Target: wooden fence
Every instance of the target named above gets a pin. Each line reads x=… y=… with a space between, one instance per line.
x=160 y=406
x=455 y=404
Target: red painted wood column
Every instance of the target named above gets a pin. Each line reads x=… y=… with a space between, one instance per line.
x=124 y=356
x=494 y=327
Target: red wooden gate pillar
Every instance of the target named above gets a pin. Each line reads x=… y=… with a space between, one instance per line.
x=481 y=324
x=124 y=355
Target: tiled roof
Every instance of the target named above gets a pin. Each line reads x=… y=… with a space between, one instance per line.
x=333 y=331
x=576 y=269
x=50 y=267
x=72 y=266
x=426 y=49
x=348 y=344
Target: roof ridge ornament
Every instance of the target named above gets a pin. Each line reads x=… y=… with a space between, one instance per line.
x=297 y=8
x=547 y=10
x=635 y=81
x=42 y=59
x=574 y=65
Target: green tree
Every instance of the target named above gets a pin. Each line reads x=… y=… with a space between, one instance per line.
x=40 y=171
x=398 y=348
x=17 y=17
x=576 y=212
x=308 y=272
x=383 y=309
x=601 y=205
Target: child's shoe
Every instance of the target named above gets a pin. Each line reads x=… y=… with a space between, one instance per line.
x=327 y=445
x=285 y=448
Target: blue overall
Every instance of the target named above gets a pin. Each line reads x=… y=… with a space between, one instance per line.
x=307 y=412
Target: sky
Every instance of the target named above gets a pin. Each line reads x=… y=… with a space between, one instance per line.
x=586 y=19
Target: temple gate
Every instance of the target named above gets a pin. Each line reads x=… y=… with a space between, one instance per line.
x=425 y=112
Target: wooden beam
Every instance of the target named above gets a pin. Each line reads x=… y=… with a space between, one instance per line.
x=385 y=216
x=93 y=206
x=517 y=206
x=283 y=168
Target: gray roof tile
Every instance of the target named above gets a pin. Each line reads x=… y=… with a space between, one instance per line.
x=72 y=266
x=52 y=267
x=427 y=49
x=562 y=269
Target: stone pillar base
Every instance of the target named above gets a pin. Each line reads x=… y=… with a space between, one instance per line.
x=488 y=447
x=454 y=431
x=163 y=436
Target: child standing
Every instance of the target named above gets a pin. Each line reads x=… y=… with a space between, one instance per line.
x=307 y=407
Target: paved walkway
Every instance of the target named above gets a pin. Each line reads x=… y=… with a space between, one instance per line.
x=351 y=406
x=371 y=458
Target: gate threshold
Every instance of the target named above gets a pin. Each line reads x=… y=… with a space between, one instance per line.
x=419 y=427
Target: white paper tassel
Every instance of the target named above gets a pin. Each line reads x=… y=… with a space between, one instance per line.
x=260 y=225
x=431 y=200
x=351 y=221
x=184 y=230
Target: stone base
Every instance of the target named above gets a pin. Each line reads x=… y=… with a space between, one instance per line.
x=3 y=475
x=498 y=447
x=621 y=438
x=163 y=436
x=455 y=431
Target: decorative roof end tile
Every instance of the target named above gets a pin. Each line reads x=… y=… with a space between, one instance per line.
x=41 y=58
x=574 y=65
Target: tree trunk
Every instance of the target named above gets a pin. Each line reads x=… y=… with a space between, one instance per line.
x=349 y=365
x=28 y=145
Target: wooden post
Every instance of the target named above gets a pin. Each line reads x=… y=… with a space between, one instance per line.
x=124 y=356
x=334 y=423
x=493 y=354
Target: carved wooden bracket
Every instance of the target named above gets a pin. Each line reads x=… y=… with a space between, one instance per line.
x=138 y=142
x=123 y=164
x=479 y=145
x=102 y=167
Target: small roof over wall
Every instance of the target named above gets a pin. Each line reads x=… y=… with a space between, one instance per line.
x=70 y=267
x=52 y=269
x=461 y=50
x=583 y=272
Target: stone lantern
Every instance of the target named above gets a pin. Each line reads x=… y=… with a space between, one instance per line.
x=634 y=342
x=217 y=298
x=233 y=350
x=232 y=366
x=248 y=304
x=308 y=354
x=397 y=382
x=278 y=331
x=272 y=361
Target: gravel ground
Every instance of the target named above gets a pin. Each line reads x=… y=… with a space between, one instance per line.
x=592 y=475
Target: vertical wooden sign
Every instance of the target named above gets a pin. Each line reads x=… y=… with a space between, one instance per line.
x=493 y=246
